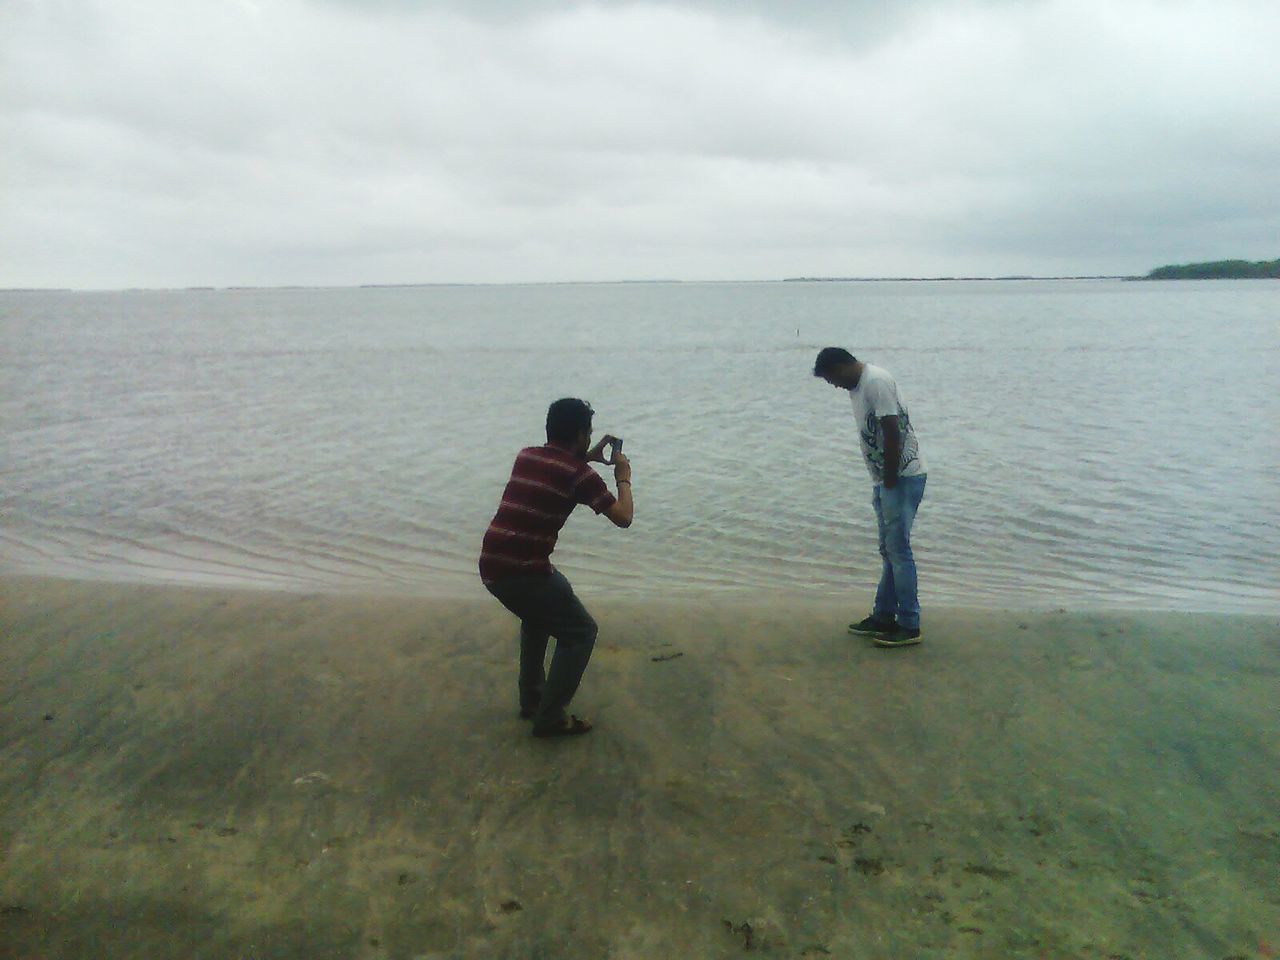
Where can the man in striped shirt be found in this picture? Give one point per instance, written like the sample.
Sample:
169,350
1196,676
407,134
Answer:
515,559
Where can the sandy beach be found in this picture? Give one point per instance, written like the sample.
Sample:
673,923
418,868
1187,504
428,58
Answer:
196,773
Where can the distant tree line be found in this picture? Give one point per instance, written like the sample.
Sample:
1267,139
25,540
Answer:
1217,270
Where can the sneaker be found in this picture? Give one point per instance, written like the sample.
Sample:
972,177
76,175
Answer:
871,625
897,636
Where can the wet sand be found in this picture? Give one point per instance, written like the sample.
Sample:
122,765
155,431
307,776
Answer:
196,773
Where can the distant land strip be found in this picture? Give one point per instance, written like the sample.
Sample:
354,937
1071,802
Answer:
1210,270
1218,270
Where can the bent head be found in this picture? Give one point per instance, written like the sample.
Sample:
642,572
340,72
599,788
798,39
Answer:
838,367
569,425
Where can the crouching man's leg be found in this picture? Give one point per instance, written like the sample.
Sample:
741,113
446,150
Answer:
533,660
575,632
548,607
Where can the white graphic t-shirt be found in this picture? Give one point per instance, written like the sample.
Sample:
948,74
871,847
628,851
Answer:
876,396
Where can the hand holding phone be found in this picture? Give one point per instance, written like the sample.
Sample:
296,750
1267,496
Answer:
606,450
614,448
621,467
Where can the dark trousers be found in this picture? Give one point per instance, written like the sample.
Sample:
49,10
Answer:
547,607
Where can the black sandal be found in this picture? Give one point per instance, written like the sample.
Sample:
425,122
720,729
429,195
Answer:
569,727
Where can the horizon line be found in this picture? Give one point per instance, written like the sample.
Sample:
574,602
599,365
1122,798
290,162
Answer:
222,288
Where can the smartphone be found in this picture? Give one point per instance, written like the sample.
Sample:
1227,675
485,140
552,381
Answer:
614,448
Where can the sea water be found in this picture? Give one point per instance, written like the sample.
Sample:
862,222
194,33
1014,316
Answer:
1090,443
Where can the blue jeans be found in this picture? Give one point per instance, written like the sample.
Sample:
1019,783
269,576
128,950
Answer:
896,596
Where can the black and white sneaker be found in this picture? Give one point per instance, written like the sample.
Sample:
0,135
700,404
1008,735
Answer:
897,636
871,626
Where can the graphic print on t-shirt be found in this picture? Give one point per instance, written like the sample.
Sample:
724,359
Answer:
873,443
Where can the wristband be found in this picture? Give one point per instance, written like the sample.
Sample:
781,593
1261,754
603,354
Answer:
620,482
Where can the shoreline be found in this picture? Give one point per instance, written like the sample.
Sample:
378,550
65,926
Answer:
205,772
467,588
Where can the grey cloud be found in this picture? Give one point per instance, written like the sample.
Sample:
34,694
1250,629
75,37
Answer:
302,142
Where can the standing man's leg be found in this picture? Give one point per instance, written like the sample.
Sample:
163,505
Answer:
886,606
898,509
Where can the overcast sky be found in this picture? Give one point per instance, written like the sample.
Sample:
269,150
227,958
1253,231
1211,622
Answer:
170,143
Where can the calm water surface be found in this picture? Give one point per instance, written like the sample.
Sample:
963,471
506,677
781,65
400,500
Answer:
1090,444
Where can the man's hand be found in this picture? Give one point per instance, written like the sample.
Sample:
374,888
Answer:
596,453
623,508
892,451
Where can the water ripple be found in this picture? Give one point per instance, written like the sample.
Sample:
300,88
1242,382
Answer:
266,437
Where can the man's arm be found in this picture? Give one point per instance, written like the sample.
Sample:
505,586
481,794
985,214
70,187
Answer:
623,509
892,450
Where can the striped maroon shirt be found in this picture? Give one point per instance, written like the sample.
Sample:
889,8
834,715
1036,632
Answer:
546,484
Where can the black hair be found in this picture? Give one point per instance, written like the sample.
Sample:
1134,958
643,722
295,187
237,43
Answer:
829,358
567,418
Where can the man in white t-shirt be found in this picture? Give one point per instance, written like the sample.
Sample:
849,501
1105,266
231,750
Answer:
892,454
